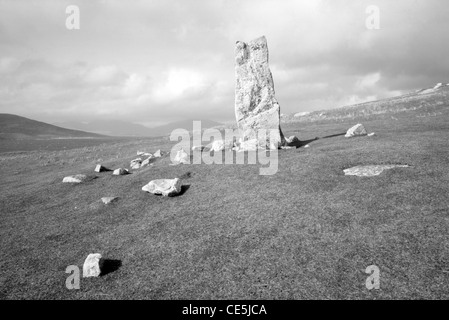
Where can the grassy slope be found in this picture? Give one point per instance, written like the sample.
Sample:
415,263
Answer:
17,127
307,232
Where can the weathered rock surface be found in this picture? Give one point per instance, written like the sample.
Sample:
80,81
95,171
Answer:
120,172
100,168
371,170
77,178
108,200
182,157
255,104
91,266
355,131
165,187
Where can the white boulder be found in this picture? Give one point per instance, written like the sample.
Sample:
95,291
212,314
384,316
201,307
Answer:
165,187
91,266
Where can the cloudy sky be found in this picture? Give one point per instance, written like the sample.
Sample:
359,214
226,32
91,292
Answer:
153,62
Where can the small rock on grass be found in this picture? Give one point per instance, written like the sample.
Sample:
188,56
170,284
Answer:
182,157
120,172
108,200
77,178
91,266
100,168
165,187
199,148
356,131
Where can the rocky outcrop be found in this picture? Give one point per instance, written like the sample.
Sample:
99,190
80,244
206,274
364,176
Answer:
256,107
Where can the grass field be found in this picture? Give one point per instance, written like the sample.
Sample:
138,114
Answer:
307,232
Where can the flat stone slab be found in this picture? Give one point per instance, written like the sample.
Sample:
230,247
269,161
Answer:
165,187
77,178
371,171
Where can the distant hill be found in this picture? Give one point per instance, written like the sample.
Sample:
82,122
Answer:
123,128
424,100
17,127
108,127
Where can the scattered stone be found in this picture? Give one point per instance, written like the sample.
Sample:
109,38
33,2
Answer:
78,178
182,157
370,171
91,266
165,187
356,131
306,146
120,172
371,134
158,154
100,168
220,145
286,148
256,107
136,163
107,200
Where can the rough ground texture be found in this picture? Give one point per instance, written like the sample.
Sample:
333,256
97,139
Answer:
310,235
255,104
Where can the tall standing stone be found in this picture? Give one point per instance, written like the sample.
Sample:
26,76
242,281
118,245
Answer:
255,104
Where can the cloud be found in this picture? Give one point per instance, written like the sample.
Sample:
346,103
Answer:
158,61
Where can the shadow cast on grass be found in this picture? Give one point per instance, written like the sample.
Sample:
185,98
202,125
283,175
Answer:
109,266
334,135
184,189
